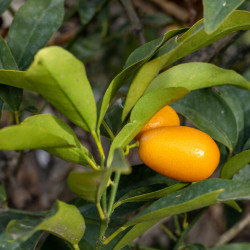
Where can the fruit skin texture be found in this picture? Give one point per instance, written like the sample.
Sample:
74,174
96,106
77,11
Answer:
181,153
163,118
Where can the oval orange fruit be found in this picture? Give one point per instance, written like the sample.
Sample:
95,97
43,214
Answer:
163,118
181,153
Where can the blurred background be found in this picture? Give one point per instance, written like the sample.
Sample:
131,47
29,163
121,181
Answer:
102,37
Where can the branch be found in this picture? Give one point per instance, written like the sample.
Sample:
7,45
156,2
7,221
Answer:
233,231
137,26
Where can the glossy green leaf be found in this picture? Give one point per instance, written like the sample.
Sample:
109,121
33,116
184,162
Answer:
211,114
89,185
233,246
243,174
145,108
64,221
197,75
11,95
61,79
15,78
133,233
4,5
215,12
34,24
195,38
137,58
247,145
7,242
225,189
244,98
46,132
195,246
198,195
231,98
236,163
139,194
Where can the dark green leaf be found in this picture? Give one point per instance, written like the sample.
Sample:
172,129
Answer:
198,195
197,75
211,114
145,108
87,9
139,194
215,12
247,145
87,47
144,54
234,103
4,5
233,246
8,243
236,163
33,25
195,38
61,79
65,221
195,246
11,95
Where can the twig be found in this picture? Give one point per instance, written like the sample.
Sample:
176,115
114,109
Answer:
233,231
173,9
135,21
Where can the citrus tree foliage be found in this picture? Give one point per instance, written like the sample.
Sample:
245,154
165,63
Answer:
97,218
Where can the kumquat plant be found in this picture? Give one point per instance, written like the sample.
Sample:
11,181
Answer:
103,152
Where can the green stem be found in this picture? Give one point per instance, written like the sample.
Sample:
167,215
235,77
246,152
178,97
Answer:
100,211
177,225
105,125
113,193
183,236
102,231
168,232
17,117
112,236
12,11
230,153
100,149
76,247
128,147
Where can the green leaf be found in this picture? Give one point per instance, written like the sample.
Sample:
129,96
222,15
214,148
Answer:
89,185
145,108
215,12
197,75
198,195
139,194
211,114
137,58
57,138
34,24
88,9
64,221
231,98
11,95
15,78
133,233
247,145
4,5
236,163
233,246
7,242
61,79
195,38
